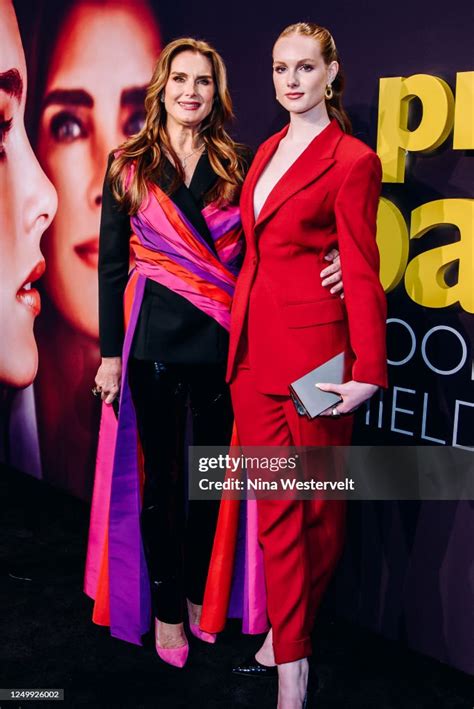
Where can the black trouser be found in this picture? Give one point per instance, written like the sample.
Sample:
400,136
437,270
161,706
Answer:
177,546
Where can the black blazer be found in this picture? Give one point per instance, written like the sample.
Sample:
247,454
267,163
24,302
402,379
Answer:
169,328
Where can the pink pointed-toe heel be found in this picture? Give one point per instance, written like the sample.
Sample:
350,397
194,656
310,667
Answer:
201,634
175,656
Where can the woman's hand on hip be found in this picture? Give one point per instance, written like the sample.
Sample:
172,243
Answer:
352,393
108,378
332,275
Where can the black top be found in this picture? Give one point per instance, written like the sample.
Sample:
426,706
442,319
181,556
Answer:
169,328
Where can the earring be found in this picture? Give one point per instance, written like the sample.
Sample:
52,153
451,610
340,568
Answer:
162,98
329,93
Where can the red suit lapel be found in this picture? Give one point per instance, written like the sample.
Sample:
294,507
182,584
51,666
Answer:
313,162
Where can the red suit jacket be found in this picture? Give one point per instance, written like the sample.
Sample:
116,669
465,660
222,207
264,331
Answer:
327,198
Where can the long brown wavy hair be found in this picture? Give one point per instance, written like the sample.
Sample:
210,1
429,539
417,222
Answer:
146,148
330,54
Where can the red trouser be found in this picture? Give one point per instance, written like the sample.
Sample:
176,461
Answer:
301,539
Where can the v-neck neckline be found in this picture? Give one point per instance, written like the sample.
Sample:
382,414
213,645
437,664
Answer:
195,171
193,176
190,199
284,175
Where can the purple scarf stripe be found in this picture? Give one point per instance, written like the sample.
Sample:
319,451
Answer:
128,580
219,225
161,245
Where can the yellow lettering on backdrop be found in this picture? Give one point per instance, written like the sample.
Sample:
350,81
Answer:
393,136
393,243
425,274
463,137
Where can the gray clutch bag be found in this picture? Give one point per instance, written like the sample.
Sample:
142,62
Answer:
308,399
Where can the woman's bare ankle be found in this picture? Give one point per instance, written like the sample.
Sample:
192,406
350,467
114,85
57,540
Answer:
194,612
265,654
169,635
292,684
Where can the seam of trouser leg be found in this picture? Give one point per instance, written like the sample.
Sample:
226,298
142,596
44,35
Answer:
301,610
304,608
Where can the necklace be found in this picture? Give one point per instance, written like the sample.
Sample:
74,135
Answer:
183,160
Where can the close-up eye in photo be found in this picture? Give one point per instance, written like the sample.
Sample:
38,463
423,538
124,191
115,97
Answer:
236,317
66,127
5,126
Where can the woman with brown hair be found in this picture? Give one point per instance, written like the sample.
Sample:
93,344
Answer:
170,198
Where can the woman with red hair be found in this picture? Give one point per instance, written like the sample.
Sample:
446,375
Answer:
311,187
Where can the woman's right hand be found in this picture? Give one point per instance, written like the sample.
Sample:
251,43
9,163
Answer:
108,378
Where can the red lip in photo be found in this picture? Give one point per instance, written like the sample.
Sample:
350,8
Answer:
88,251
28,296
294,95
